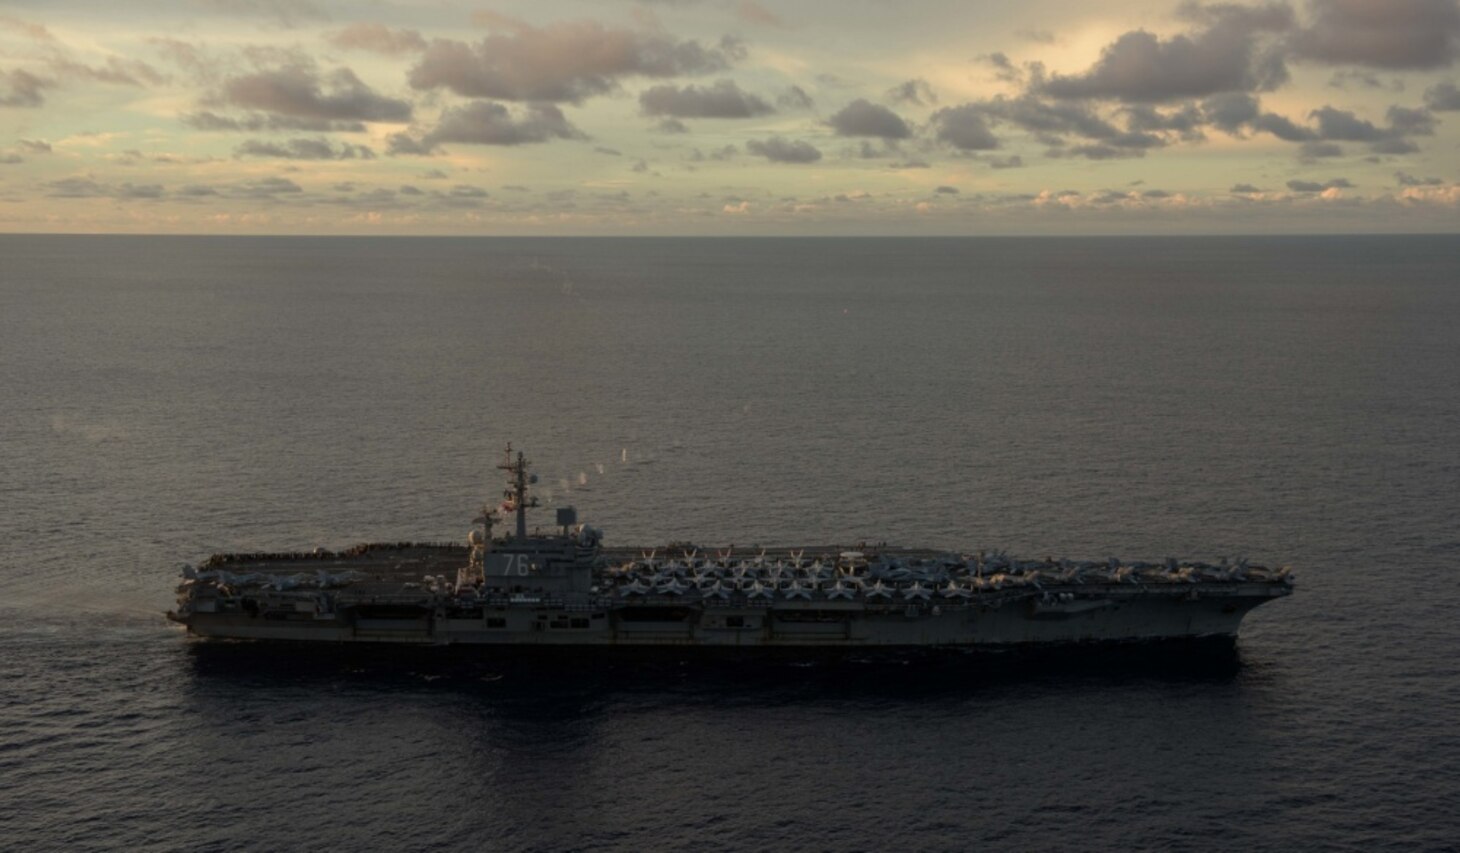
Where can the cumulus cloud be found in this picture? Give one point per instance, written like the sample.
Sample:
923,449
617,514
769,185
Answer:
722,99
864,118
490,123
1400,34
1231,111
304,149
378,38
964,127
1245,188
566,61
302,92
1230,52
780,150
20,88
1443,97
1237,113
969,127
1185,122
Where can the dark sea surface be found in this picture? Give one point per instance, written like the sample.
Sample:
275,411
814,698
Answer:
1293,399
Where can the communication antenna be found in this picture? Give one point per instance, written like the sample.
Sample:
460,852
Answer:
517,482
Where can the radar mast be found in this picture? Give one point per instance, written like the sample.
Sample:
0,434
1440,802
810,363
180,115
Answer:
517,482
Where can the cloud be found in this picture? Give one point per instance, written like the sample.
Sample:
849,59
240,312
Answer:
36,146
265,188
1186,122
726,153
190,57
1443,97
915,91
1014,161
723,99
302,92
490,123
1035,36
1235,113
1316,187
1283,128
1231,111
29,29
1343,126
1099,151
864,118
1228,54
304,149
945,189
1404,179
1004,69
781,150
1244,188
671,125
1400,34
566,61
91,188
969,127
10,159
255,122
964,127
75,188
378,38
794,98
117,71
20,88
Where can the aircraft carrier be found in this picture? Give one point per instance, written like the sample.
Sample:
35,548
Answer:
567,588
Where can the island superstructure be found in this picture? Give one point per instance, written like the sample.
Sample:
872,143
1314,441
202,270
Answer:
568,588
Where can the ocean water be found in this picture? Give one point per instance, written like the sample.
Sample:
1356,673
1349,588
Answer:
1292,399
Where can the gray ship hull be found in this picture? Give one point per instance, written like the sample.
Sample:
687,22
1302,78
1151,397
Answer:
1110,615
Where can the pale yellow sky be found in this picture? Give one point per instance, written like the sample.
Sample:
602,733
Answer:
728,117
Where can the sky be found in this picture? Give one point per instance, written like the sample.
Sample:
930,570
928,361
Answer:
729,117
